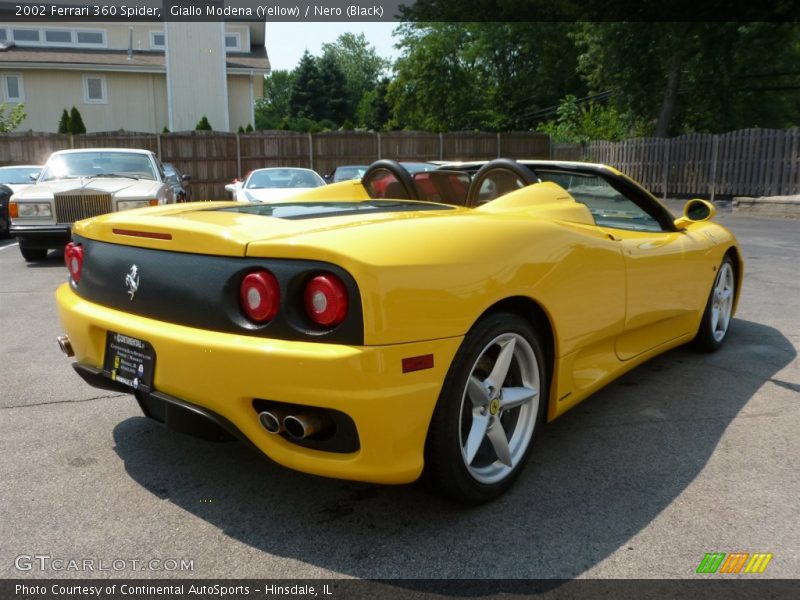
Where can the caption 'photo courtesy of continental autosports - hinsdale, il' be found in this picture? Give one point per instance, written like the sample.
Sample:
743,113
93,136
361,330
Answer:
398,326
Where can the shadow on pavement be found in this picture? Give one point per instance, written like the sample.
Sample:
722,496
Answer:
598,475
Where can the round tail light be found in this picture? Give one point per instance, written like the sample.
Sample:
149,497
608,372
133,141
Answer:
326,300
260,296
73,258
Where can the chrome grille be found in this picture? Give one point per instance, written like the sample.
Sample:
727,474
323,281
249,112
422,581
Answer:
71,207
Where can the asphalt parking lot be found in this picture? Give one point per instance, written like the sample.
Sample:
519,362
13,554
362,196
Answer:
685,455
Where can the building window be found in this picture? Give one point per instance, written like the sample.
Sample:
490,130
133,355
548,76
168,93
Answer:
158,40
58,36
233,41
94,89
13,88
91,38
26,35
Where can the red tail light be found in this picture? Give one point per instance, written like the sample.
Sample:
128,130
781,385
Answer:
260,296
73,258
326,300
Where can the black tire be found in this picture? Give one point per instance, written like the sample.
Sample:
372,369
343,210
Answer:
32,254
711,336
485,476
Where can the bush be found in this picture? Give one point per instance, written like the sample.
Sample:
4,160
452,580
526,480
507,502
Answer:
203,125
76,122
64,124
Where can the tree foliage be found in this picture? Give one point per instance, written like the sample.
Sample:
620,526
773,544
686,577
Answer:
305,99
580,123
579,81
492,76
359,63
63,123
76,124
681,77
203,125
274,107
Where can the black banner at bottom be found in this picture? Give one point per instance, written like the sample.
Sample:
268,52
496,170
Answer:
390,589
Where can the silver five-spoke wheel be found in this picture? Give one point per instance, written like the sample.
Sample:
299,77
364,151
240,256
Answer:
722,302
492,401
716,321
499,408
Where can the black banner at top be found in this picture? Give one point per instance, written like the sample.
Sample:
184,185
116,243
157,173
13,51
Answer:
399,10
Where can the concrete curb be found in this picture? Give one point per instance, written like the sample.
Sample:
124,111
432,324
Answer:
778,207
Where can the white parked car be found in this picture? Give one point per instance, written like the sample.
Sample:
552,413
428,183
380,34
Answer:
275,183
78,184
19,177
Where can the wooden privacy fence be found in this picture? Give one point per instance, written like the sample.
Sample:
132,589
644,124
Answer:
215,158
749,162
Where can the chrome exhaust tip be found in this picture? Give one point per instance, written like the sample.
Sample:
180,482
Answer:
65,345
306,424
271,421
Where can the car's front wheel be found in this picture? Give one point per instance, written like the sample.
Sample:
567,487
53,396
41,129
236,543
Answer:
490,406
719,309
32,254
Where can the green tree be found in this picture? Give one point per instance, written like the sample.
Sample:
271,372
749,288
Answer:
435,86
275,106
579,123
76,122
481,75
12,120
374,111
203,125
680,77
64,125
360,64
334,103
305,98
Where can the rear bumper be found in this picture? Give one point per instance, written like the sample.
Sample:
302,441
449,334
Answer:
42,236
222,373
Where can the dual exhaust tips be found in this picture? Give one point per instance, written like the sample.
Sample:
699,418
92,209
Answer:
299,426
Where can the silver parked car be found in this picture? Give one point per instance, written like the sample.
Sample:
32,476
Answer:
78,184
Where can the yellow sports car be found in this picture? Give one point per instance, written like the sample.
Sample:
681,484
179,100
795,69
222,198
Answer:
382,328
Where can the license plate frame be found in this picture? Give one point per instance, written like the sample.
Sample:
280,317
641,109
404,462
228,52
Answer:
129,361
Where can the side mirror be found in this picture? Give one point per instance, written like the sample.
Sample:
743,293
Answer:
34,176
231,187
695,211
186,178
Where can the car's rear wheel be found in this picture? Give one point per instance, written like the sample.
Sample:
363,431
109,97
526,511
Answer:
719,309
32,254
490,406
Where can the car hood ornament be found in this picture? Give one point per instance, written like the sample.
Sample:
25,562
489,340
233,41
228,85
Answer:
132,280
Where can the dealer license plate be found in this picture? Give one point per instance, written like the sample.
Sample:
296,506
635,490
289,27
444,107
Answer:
130,361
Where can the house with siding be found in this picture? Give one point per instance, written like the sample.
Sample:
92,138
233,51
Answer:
134,76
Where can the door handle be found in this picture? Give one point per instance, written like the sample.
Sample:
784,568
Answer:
613,237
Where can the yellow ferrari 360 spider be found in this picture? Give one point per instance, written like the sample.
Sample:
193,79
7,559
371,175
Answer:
382,328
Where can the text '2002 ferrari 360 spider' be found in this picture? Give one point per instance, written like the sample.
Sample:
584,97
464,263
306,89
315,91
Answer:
398,325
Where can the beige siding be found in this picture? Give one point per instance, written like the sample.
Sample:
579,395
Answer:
239,103
195,48
136,101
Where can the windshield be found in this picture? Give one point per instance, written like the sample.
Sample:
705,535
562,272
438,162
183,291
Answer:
18,174
99,164
345,173
283,178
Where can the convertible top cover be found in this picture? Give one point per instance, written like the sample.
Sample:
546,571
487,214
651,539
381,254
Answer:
311,210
